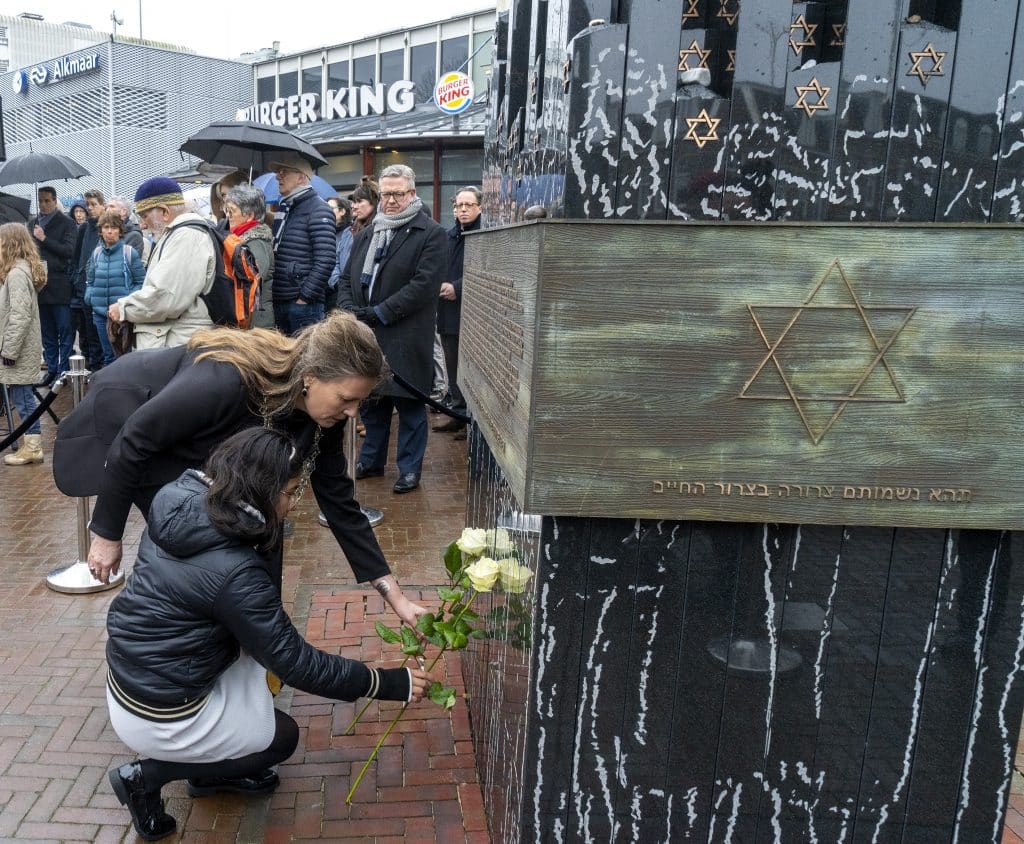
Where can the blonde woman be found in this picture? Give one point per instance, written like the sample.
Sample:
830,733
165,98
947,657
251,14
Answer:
165,411
22,276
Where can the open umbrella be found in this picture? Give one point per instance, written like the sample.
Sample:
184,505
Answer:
13,209
272,193
247,145
35,167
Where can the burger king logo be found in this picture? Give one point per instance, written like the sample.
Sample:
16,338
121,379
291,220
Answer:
453,93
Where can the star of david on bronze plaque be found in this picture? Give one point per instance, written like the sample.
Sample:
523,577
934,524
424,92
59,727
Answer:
808,34
730,15
697,53
826,353
814,88
702,119
936,58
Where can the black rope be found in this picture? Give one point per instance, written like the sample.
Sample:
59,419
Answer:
438,406
28,422
49,410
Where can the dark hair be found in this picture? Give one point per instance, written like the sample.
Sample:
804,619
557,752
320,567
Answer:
111,218
95,193
51,192
250,468
367,190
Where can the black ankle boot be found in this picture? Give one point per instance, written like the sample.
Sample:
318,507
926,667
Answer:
147,809
263,782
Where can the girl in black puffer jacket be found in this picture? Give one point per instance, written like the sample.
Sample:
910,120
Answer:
200,623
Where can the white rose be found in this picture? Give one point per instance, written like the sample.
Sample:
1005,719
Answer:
473,542
500,542
514,576
482,574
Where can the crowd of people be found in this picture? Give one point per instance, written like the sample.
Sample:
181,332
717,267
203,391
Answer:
213,433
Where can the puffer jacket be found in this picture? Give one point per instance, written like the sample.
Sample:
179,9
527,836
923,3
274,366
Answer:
305,253
195,596
20,338
261,243
112,273
85,244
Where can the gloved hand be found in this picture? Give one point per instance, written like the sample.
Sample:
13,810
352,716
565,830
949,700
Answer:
9,361
367,315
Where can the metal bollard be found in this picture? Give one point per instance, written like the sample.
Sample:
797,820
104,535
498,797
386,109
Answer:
76,579
373,515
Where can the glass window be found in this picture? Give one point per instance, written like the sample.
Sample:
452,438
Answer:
337,75
265,89
364,70
424,61
454,52
343,171
480,67
311,78
392,66
461,167
288,84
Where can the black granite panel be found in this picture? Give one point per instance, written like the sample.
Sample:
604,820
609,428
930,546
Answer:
806,34
863,110
900,676
803,165
999,693
648,108
1008,204
833,32
920,107
698,174
554,707
759,101
595,114
983,47
519,58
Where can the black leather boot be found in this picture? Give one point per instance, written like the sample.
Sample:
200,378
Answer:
261,783
147,809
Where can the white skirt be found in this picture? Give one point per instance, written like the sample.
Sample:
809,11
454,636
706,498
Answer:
238,719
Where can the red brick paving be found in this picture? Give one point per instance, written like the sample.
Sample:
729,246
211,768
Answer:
56,744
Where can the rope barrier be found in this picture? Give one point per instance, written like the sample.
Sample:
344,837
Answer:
30,420
438,406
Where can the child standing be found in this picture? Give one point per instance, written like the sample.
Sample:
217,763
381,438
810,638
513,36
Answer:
22,275
114,270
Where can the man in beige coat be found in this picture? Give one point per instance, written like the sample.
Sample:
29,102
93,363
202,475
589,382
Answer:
168,310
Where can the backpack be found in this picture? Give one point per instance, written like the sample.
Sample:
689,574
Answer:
235,293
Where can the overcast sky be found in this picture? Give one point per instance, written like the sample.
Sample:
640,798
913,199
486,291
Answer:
227,28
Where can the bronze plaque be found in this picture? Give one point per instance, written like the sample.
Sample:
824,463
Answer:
806,373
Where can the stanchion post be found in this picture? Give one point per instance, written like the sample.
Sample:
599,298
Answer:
374,515
76,578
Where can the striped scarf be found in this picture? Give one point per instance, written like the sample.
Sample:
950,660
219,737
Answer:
384,228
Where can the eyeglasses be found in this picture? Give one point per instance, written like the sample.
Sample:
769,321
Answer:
396,195
465,206
282,171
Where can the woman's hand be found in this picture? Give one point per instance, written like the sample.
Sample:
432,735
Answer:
114,312
421,681
408,611
104,558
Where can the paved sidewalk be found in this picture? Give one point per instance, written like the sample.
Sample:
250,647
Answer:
56,744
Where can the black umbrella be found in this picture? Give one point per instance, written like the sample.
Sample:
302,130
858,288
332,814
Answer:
35,167
14,209
247,145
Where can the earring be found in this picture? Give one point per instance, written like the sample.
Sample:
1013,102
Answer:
305,390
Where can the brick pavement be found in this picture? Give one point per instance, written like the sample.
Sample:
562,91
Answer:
56,744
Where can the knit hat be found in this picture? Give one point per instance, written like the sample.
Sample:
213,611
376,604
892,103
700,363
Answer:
293,161
157,191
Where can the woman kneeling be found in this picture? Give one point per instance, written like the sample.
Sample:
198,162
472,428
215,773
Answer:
200,623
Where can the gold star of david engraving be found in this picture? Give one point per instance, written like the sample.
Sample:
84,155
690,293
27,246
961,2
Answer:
696,52
702,119
936,58
731,67
838,35
730,15
692,12
808,34
814,88
871,324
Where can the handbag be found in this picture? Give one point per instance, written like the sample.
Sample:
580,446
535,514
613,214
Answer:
121,336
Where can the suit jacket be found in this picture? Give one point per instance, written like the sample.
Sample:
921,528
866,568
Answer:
56,251
405,294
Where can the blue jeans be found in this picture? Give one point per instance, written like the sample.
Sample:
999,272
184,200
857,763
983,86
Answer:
101,328
412,433
58,338
24,401
290,318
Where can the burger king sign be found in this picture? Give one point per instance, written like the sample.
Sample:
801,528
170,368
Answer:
453,93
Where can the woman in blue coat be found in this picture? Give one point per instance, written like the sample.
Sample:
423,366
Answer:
113,271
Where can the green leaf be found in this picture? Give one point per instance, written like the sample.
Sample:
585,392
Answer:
516,603
443,696
449,636
459,641
452,559
498,615
470,614
455,609
446,594
425,624
387,634
462,626
477,634
409,639
413,650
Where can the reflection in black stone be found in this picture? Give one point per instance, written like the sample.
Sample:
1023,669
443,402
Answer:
1008,204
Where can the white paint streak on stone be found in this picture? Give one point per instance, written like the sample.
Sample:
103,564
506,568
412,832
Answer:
1004,730
826,631
955,199
773,639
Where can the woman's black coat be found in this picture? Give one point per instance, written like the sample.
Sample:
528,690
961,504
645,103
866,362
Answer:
406,292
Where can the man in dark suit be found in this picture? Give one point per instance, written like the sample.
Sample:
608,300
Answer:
54,233
392,282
